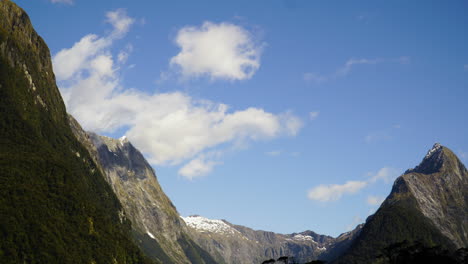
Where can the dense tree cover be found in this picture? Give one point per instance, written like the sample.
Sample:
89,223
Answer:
55,206
415,253
392,223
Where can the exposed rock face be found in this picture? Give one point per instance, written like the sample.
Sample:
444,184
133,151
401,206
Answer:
134,182
440,186
341,244
155,221
428,204
230,243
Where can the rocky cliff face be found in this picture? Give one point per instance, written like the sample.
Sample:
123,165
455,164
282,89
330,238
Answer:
428,204
156,222
55,206
440,186
230,243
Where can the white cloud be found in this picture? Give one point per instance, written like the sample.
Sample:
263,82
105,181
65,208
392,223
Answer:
70,64
386,174
333,192
120,21
465,67
375,200
348,66
219,51
124,54
62,1
314,115
200,166
356,221
170,128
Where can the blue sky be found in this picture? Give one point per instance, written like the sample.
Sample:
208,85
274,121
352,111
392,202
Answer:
278,115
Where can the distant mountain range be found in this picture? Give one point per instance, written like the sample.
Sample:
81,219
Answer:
71,196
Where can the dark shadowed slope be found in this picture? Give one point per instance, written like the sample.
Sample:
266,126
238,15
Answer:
55,206
427,204
157,226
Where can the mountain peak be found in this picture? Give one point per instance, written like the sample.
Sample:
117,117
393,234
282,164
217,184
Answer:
434,150
438,158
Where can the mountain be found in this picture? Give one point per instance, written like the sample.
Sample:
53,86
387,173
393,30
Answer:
156,223
428,205
55,205
229,243
165,236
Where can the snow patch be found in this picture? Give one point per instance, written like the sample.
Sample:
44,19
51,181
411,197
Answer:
209,225
123,140
300,237
435,148
151,235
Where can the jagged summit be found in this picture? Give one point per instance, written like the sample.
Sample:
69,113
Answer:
428,204
438,158
437,147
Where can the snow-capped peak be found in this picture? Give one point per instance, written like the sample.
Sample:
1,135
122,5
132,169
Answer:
203,224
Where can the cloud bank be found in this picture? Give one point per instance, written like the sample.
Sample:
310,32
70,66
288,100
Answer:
169,128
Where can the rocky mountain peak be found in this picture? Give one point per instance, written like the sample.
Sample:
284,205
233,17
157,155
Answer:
437,159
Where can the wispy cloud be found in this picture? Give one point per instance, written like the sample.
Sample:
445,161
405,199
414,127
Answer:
381,135
314,115
465,67
170,128
348,67
200,166
273,153
218,51
333,192
375,200
62,1
356,221
386,174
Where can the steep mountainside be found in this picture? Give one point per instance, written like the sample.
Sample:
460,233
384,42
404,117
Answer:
427,204
156,223
238,244
55,205
341,244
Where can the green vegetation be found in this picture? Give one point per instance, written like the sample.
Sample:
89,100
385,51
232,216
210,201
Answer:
414,253
393,223
55,206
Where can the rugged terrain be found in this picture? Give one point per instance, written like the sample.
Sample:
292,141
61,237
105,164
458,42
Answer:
165,236
156,223
55,205
427,204
238,244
